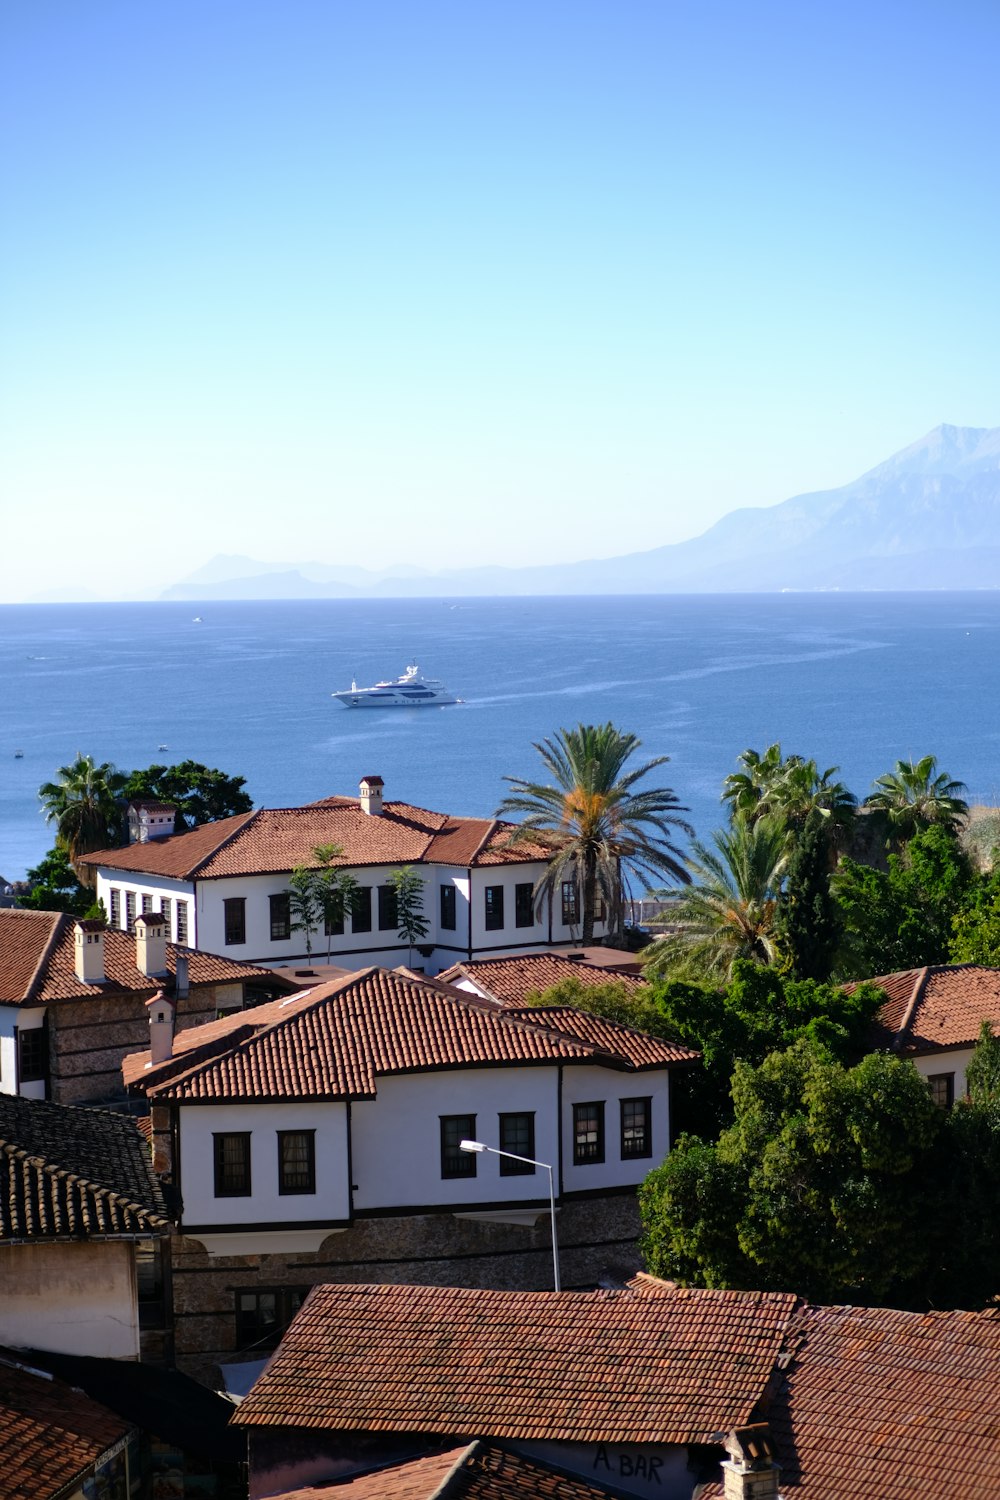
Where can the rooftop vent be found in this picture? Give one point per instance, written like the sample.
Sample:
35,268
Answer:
88,951
371,795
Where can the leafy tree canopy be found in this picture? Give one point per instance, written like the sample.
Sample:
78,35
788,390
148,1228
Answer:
975,935
915,795
200,793
55,887
808,919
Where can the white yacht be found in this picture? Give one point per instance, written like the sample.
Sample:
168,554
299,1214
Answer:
412,690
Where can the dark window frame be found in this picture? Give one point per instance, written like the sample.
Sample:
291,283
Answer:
234,921
585,1153
287,1185
636,1146
935,1082
253,1331
449,908
493,908
361,909
33,1054
508,1133
388,908
570,897
524,904
280,916
455,1163
243,1186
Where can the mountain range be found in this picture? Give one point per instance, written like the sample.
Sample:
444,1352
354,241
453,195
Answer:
926,518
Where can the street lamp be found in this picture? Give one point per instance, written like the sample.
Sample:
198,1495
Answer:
480,1146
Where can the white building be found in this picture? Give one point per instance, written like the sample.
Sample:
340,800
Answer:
933,1017
224,887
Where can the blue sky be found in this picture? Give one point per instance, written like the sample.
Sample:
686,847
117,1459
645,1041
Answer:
451,283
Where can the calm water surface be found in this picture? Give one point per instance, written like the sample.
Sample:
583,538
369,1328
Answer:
854,680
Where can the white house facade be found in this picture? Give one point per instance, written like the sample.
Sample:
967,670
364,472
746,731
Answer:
224,887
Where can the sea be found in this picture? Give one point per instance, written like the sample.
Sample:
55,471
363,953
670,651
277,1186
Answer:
855,680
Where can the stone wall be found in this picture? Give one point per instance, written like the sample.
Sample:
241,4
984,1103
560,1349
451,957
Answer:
597,1241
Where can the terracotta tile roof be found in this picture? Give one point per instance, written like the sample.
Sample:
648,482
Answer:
512,980
618,1366
890,1404
37,961
933,1008
481,1471
67,1173
336,1040
275,840
49,1433
641,1050
419,1479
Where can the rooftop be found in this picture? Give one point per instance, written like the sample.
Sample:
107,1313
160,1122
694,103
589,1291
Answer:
512,980
479,1471
49,1433
938,1007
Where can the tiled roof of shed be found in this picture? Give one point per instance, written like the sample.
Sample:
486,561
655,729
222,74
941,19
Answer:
334,1041
641,1050
937,1007
49,1433
276,840
480,1471
616,1366
70,1173
37,956
512,980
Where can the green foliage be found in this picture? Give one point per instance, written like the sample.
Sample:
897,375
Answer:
976,927
629,1005
303,903
808,918
915,796
55,887
787,790
83,802
901,918
321,895
200,793
409,889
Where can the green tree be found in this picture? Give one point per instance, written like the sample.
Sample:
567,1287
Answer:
593,822
304,903
787,790
55,887
976,926
409,891
808,920
201,794
730,909
914,795
83,803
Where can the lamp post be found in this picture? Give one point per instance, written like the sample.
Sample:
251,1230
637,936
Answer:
480,1146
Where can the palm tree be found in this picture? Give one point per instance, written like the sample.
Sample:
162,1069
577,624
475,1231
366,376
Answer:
788,788
83,804
750,792
912,797
730,910
592,822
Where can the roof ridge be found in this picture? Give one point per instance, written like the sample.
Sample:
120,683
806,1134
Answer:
447,1487
247,819
911,1007
70,1175
48,949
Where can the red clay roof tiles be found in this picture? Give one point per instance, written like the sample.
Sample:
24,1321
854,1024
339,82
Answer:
50,1434
933,1008
512,980
481,1471
641,1050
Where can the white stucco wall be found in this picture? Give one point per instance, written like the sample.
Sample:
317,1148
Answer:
584,1085
265,1205
396,1138
8,1049
74,1298
947,1062
510,935
148,885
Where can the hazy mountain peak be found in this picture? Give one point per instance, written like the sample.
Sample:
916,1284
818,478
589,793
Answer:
946,449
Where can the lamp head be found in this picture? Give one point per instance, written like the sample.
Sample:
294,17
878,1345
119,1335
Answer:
471,1146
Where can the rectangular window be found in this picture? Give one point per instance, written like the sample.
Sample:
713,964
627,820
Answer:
129,910
388,909
235,913
448,908
333,925
114,907
637,1134
361,909
32,1055
296,1161
494,908
182,923
524,904
232,1164
147,905
517,1134
588,1133
263,1316
454,1161
570,904
281,917
942,1087
166,910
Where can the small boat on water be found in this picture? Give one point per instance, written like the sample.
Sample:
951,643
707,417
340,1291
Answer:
18,754
411,690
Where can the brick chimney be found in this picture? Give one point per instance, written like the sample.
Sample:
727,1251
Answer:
371,795
750,1472
151,943
88,951
161,1027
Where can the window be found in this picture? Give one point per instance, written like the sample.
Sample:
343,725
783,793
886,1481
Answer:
263,1316
182,923
147,905
235,912
454,1161
524,904
448,908
942,1087
517,1134
281,917
32,1055
296,1161
388,909
588,1133
637,1136
115,907
232,1165
361,909
166,909
494,908
129,910
570,904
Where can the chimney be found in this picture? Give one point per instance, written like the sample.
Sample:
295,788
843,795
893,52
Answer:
371,795
182,985
150,820
151,943
88,951
750,1472
161,1028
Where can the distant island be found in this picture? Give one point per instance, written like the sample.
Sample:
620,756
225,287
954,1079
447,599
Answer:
926,518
